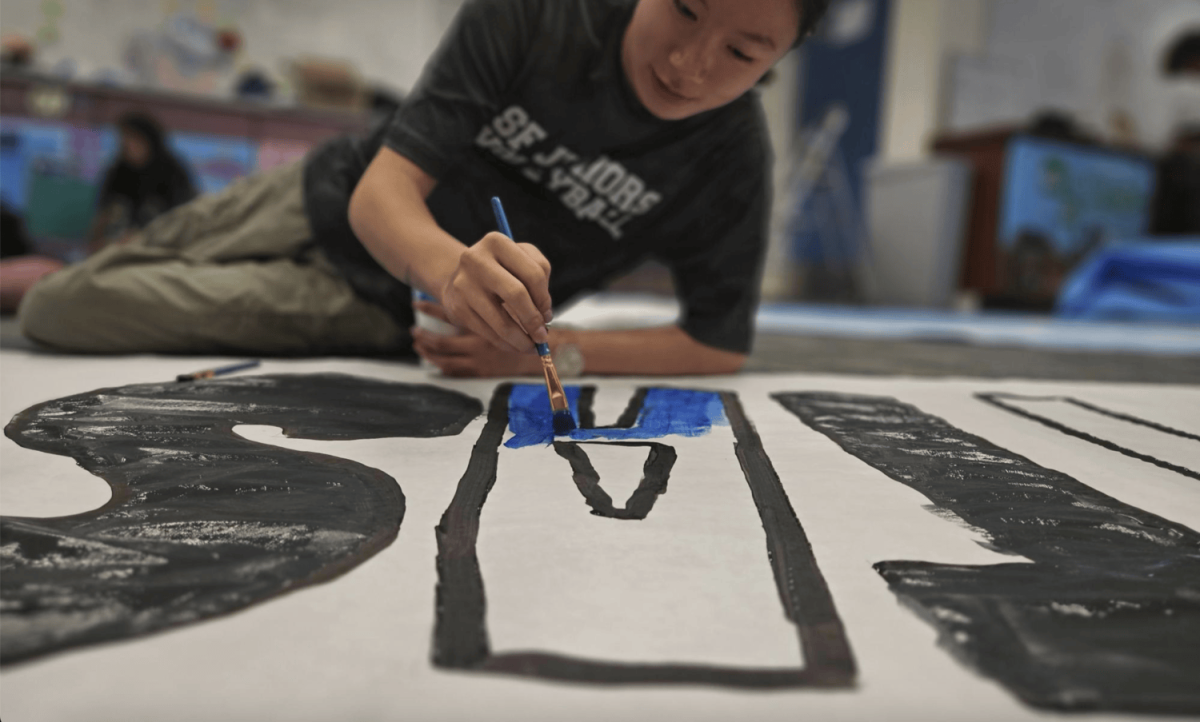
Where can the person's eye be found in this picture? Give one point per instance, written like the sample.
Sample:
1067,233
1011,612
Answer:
740,55
684,10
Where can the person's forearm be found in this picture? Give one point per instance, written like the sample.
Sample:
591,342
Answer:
388,214
666,350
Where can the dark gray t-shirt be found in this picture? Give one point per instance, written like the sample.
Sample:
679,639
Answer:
527,100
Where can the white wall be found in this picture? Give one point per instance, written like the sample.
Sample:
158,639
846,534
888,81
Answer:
780,101
921,35
966,64
1092,57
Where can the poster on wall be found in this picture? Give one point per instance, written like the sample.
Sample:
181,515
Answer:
1060,202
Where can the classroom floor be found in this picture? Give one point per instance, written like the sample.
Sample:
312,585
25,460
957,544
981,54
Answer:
778,352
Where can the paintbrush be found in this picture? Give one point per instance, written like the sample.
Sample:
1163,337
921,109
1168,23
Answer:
564,423
219,371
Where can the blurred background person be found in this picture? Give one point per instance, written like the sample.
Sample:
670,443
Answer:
19,267
1177,203
146,180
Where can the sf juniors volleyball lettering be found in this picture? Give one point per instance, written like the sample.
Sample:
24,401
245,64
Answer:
599,189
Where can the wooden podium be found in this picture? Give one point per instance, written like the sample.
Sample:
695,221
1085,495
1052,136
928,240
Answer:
985,151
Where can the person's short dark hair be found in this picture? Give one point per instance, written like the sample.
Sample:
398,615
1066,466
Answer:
1188,134
145,125
1183,55
811,12
1057,125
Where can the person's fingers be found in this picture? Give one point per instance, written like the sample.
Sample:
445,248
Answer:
531,299
458,301
541,300
447,364
517,305
457,366
432,309
506,325
495,326
482,284
424,342
519,281
461,345
513,315
498,281
487,302
536,254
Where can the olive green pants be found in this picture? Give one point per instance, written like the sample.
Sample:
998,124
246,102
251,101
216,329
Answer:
232,272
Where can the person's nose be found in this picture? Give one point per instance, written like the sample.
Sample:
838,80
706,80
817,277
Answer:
693,60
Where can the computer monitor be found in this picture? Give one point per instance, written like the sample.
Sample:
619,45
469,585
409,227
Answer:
1062,200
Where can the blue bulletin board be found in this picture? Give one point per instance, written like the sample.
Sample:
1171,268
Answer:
50,172
1060,203
1073,194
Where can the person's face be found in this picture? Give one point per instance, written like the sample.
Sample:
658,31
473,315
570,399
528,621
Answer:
683,57
135,150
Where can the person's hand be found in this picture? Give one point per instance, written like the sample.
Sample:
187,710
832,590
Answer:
500,291
468,354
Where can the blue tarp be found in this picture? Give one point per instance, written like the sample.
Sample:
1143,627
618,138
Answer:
1148,281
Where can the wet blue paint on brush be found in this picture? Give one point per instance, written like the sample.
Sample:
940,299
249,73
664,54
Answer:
530,417
563,422
666,411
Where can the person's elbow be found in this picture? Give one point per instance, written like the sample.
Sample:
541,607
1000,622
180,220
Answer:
724,362
359,211
715,361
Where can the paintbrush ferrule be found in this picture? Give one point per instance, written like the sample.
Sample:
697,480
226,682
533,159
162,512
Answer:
558,397
564,422
220,371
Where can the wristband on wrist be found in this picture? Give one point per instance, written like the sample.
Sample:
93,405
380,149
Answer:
567,356
568,360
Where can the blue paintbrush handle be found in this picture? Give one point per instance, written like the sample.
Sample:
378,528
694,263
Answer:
235,367
501,220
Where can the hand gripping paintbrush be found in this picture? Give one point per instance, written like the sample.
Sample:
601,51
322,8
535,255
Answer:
564,423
